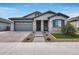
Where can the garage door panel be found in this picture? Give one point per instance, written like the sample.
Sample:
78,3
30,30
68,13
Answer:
23,26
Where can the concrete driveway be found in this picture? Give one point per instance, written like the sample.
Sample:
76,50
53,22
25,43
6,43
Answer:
13,36
33,48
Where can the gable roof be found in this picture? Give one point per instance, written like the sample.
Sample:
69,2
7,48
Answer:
20,18
74,18
5,20
59,14
45,13
24,17
36,12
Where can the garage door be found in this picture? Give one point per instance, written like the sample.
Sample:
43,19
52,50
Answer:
24,26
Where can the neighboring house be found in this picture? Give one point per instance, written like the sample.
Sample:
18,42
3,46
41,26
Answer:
4,24
75,21
37,21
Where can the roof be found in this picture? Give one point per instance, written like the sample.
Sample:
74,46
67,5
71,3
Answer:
74,18
5,20
45,13
24,17
20,18
36,12
59,14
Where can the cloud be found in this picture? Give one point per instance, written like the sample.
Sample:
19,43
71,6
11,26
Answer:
71,8
7,9
71,11
74,14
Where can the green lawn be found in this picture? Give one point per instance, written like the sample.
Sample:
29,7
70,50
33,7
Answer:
62,36
77,30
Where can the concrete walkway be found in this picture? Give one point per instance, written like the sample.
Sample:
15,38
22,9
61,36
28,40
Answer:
39,37
42,48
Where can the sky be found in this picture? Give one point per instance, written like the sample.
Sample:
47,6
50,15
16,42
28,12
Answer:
8,10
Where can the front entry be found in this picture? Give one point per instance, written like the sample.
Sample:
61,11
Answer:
45,25
38,25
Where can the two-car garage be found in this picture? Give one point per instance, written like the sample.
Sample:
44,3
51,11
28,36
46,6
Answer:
23,25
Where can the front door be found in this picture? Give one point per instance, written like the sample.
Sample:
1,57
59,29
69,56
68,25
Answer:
45,25
38,25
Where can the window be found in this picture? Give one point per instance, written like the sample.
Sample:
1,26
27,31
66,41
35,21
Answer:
58,23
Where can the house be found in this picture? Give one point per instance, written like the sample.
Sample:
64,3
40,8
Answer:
4,24
37,21
75,21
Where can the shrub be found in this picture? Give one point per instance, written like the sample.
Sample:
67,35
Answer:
28,38
48,39
68,29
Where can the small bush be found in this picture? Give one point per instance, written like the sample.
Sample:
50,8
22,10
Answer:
48,39
28,38
68,29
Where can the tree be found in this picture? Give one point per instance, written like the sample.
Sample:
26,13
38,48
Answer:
68,29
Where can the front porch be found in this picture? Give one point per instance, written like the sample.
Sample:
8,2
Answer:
41,25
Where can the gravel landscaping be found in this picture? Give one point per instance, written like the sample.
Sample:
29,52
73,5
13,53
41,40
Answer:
29,38
48,37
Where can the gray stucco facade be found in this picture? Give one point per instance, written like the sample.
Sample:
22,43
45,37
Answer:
4,24
38,21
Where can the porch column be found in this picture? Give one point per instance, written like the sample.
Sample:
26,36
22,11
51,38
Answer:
34,25
12,26
42,25
50,25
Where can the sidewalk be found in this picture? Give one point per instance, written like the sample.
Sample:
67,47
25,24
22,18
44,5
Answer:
41,48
